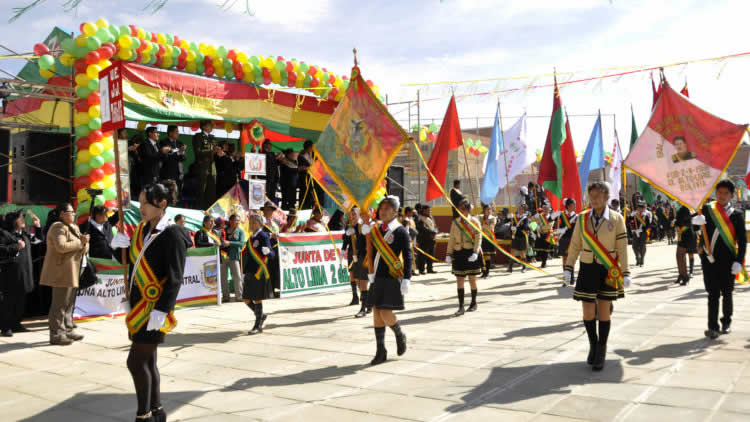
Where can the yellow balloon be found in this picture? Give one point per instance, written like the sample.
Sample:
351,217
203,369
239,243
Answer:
125,53
82,195
184,44
93,70
229,127
125,41
98,185
108,181
190,56
275,76
141,33
96,148
81,118
145,58
46,74
218,62
82,79
241,57
247,77
202,48
160,38
102,23
220,72
81,40
339,96
83,156
94,111
300,80
191,67
104,63
422,134
107,143
268,63
89,29
67,59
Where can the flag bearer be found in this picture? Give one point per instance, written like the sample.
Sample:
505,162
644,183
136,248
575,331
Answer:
640,223
519,228
489,222
565,225
258,273
464,247
545,241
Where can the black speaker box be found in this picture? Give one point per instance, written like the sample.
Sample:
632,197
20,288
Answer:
41,168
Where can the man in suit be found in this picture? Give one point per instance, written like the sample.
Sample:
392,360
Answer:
640,221
203,148
456,196
99,227
172,154
722,252
225,176
150,161
272,171
426,232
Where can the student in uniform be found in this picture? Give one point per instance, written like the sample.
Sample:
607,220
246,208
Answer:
600,238
464,247
519,228
273,230
426,232
545,240
565,225
389,279
489,222
640,223
315,223
722,252
157,254
686,244
255,288
358,254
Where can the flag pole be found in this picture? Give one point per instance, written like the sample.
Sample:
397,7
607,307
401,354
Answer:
468,174
505,157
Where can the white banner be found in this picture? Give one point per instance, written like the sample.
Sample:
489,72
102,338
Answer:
255,164
312,263
106,298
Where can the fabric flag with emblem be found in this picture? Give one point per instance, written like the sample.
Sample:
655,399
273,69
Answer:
491,181
643,187
615,171
360,142
551,167
318,172
684,149
448,139
232,202
516,154
593,158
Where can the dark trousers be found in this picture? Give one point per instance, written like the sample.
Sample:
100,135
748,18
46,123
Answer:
719,282
206,192
11,309
422,261
639,247
271,189
288,193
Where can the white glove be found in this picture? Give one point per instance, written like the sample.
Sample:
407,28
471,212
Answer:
349,231
405,286
266,250
567,276
155,320
513,229
555,214
699,220
121,240
370,280
626,281
354,258
365,229
448,259
473,257
736,268
560,232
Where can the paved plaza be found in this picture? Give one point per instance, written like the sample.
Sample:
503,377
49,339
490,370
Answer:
520,357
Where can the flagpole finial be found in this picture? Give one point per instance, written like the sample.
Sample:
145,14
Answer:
354,50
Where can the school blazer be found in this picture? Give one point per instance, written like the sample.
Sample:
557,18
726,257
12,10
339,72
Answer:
458,241
613,236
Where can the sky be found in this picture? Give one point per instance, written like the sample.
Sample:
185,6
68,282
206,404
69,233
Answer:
421,42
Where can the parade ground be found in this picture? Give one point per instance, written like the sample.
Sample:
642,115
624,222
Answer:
520,357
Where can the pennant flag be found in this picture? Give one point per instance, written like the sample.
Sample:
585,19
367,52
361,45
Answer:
655,92
360,142
593,158
571,185
491,181
550,168
232,202
685,90
515,155
449,138
643,187
615,171
684,150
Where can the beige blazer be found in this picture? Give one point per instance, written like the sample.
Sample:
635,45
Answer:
62,263
458,241
611,233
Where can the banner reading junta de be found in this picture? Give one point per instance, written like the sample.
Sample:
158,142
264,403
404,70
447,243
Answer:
106,298
312,263
684,150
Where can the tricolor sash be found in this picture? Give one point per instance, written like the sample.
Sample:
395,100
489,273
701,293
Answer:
150,288
723,225
566,221
490,234
262,270
681,230
395,267
550,237
641,220
216,240
614,273
465,229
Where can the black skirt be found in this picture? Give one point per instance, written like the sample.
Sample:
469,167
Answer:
359,271
254,289
460,265
689,241
488,248
143,336
541,244
385,293
591,284
520,242
562,245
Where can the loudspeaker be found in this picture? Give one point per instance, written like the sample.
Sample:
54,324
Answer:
4,152
395,182
41,168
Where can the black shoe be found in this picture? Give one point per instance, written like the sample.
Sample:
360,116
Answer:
472,307
712,334
459,312
401,344
355,301
159,415
380,357
7,333
431,272
726,329
20,329
523,269
601,353
414,274
685,280
369,309
421,273
362,313
592,353
679,280
148,417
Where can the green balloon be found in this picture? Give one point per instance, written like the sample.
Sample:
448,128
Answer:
82,131
108,155
199,57
93,43
94,85
254,60
96,162
46,61
194,47
280,65
176,52
136,43
169,39
124,30
99,200
110,194
103,34
95,123
227,65
229,74
257,71
200,69
83,92
433,127
80,52
114,32
82,169
153,60
304,67
308,79
258,80
222,51
83,208
67,45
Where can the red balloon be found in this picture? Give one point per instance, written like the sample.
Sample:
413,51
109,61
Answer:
93,98
289,67
110,46
82,105
196,126
209,71
82,143
232,54
161,50
111,203
183,54
266,73
80,65
176,40
207,61
81,27
312,71
292,77
141,47
237,67
138,57
105,52
40,49
96,175
181,64
159,61
314,83
109,168
92,57
279,58
95,135
153,37
334,92
133,30
267,80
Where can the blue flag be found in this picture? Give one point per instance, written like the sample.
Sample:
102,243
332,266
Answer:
593,158
491,181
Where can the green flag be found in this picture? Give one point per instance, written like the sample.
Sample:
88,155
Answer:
643,187
550,167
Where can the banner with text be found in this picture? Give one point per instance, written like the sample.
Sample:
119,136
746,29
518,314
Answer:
312,263
106,298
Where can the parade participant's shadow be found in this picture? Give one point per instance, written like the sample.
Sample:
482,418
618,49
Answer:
115,406
695,294
433,281
507,385
677,350
426,319
305,323
310,376
308,310
193,338
515,292
655,289
429,308
540,331
562,293
505,286
9,347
